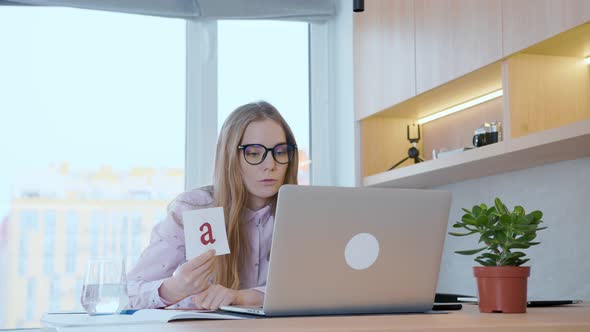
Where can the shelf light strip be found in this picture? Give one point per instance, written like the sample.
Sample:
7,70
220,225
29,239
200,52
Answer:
461,107
587,60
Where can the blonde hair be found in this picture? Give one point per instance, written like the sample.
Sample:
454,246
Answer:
229,188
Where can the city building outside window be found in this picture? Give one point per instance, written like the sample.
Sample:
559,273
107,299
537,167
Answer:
95,103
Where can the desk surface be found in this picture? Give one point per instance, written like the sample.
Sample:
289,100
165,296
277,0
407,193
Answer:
567,318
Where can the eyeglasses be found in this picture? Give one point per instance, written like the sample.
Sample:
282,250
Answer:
255,154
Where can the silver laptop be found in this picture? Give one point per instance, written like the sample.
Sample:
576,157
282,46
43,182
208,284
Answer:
339,250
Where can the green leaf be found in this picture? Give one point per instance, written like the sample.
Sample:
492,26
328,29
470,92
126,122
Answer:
470,252
488,233
525,228
523,220
488,239
468,219
461,234
483,207
527,237
485,262
466,211
536,215
482,220
516,254
505,220
476,211
520,262
500,207
491,256
519,246
500,236
519,210
541,228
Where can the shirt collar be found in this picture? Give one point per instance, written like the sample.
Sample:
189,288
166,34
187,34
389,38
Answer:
261,215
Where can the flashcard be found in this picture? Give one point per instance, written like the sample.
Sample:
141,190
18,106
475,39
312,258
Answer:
204,229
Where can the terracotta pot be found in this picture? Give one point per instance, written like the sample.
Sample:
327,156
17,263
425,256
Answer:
502,288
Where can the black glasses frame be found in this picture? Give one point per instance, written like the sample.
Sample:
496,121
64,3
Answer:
293,148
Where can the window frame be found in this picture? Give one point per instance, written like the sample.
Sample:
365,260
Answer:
334,143
201,99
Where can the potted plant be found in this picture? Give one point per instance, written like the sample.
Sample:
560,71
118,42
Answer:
501,281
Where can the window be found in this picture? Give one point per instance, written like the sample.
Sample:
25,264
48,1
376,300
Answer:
123,234
267,60
71,238
54,294
29,224
31,298
49,241
95,107
93,112
96,219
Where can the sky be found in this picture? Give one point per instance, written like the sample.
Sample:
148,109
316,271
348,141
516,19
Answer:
265,61
97,88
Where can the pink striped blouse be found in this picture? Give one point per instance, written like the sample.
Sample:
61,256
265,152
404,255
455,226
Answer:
166,251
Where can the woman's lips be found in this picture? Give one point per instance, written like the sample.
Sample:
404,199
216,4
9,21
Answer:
268,182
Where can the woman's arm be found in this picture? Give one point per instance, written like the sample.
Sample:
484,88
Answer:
156,264
164,255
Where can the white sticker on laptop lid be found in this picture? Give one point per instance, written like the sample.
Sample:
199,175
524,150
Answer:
204,229
361,251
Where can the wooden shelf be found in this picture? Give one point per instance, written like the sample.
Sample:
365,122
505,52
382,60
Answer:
564,143
544,110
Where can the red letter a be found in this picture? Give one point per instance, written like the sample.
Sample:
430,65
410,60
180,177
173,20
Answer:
209,232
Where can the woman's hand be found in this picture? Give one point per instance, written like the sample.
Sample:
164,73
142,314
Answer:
191,278
216,296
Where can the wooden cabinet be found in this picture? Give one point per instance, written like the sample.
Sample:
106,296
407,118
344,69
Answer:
527,22
403,48
384,55
544,110
455,37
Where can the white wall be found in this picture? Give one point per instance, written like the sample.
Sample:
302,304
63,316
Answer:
560,265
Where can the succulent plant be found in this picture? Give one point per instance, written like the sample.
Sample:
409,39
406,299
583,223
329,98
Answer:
501,231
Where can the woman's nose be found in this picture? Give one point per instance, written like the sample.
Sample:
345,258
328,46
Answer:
269,162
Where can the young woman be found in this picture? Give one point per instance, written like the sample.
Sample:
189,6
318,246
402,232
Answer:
256,154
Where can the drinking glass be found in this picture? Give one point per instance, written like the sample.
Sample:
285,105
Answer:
105,287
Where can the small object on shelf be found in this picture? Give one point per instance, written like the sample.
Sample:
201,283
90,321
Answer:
444,153
496,133
488,133
413,152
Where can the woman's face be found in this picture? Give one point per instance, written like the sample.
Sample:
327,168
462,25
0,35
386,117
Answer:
263,180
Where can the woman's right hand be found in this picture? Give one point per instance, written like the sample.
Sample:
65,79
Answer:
190,279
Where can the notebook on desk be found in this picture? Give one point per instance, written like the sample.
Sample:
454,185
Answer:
342,250
143,316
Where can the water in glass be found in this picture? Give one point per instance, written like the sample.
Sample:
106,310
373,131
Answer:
105,287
